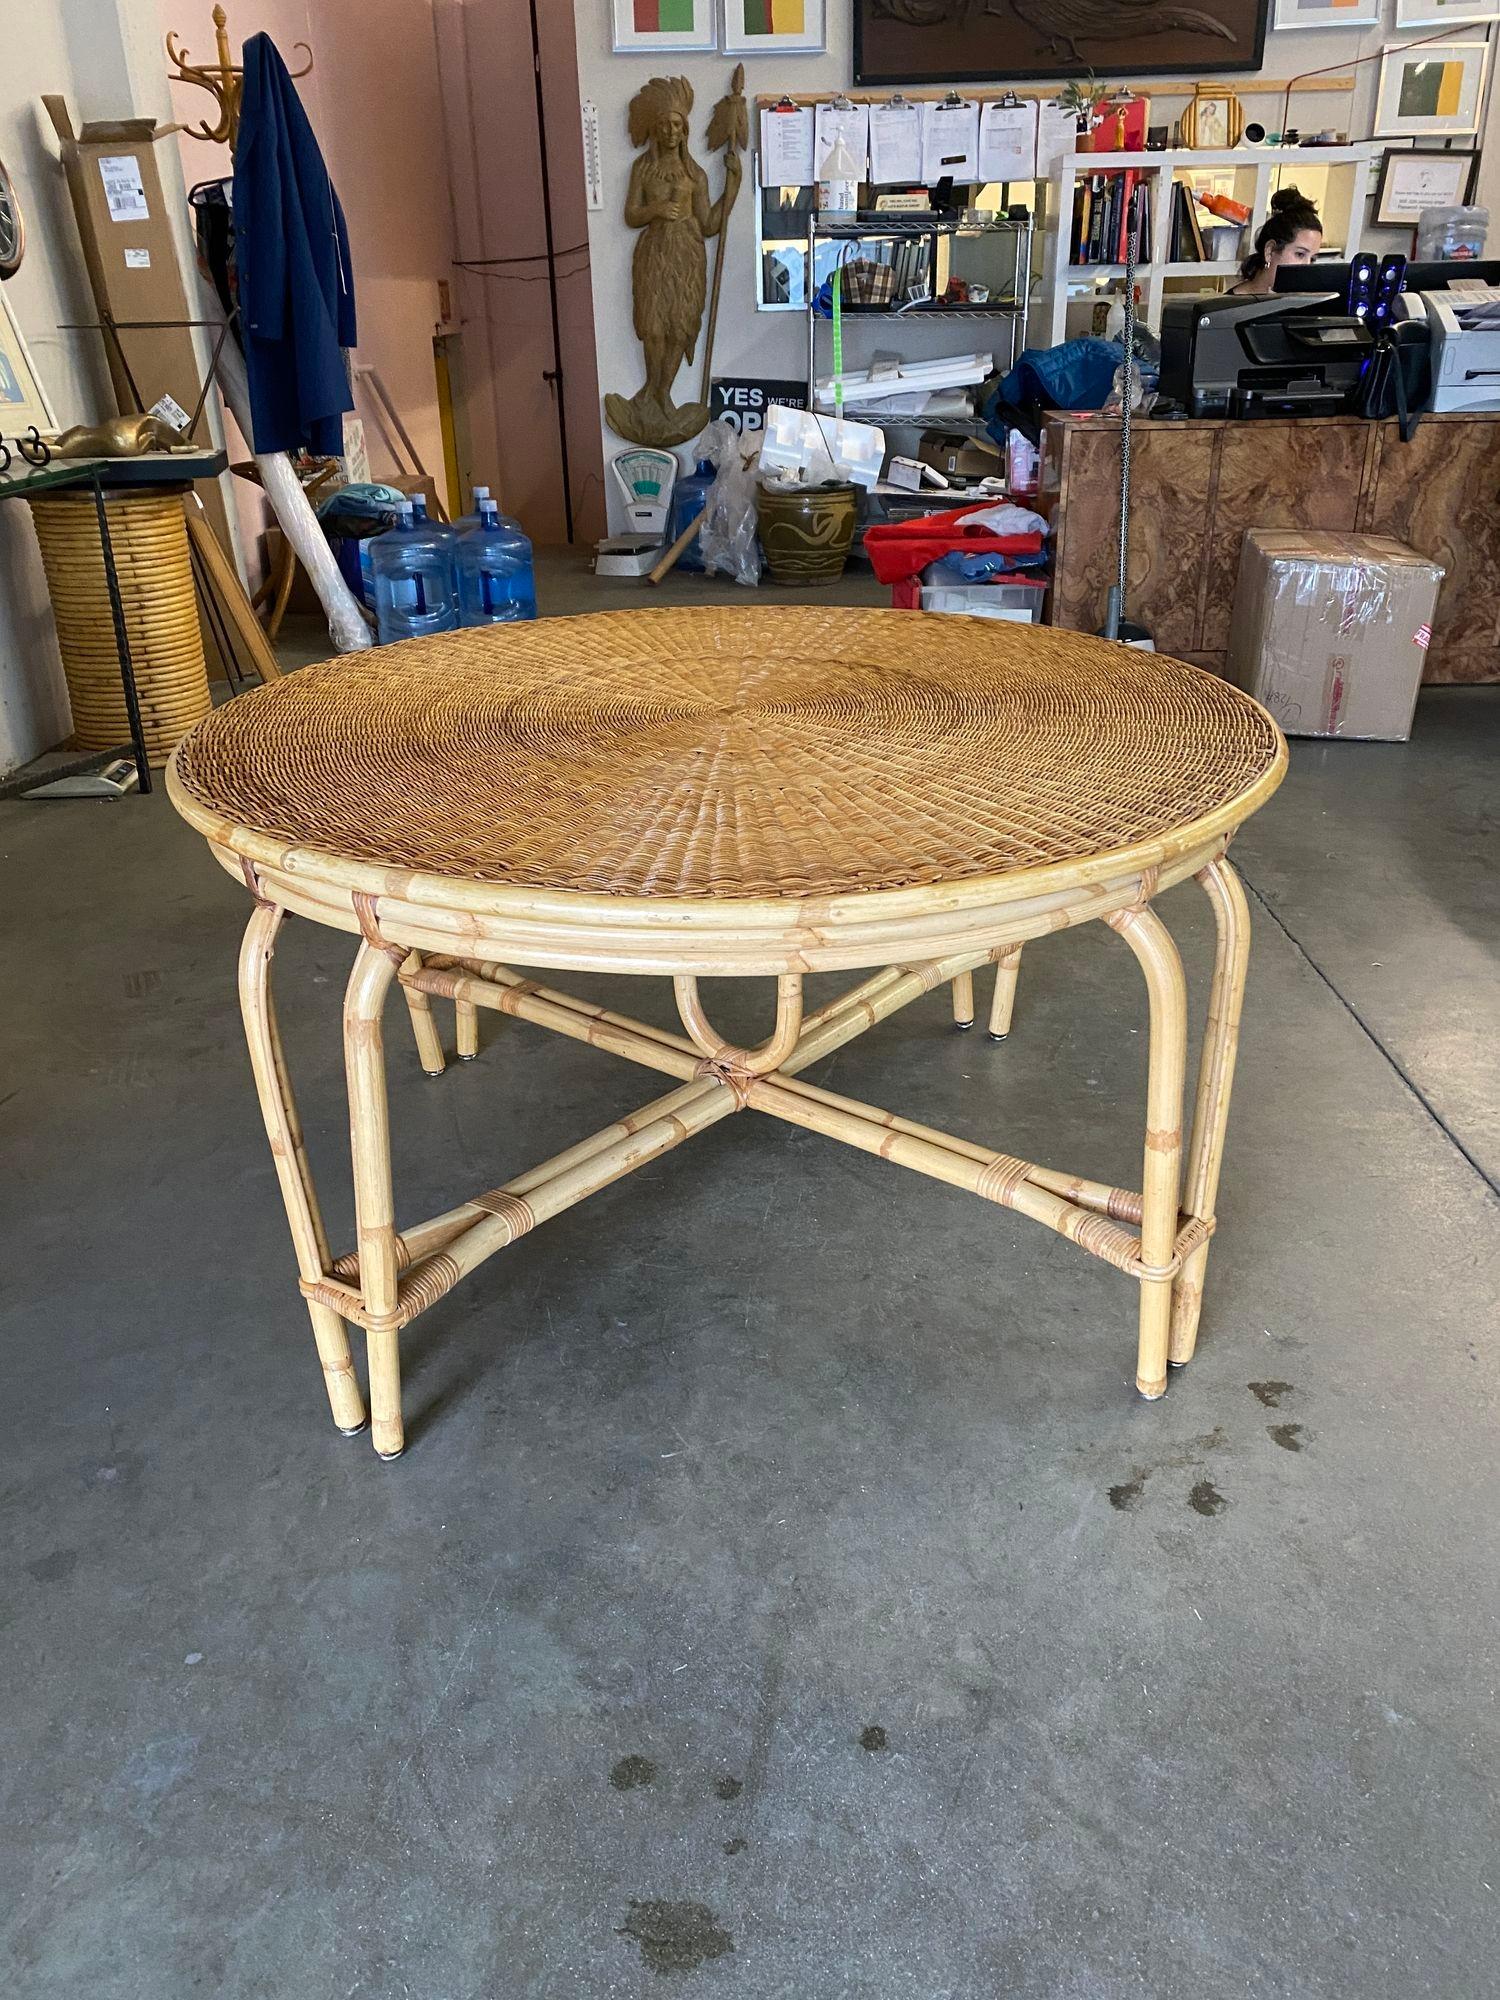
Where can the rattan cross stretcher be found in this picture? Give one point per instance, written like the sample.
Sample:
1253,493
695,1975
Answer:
763,793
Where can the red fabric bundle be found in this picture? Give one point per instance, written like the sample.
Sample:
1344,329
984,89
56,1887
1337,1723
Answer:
902,549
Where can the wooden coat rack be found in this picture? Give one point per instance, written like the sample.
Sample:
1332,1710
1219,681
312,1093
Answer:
224,81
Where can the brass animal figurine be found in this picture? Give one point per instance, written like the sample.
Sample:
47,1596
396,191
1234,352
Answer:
667,201
117,437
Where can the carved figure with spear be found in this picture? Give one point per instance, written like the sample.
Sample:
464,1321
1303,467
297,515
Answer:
667,201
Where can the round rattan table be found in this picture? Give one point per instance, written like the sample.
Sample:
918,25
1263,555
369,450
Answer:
759,792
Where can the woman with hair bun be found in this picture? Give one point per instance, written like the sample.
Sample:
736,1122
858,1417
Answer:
1291,234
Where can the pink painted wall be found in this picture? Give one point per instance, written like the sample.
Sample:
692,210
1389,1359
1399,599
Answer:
374,102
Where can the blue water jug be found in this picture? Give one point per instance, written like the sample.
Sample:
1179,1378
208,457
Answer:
442,535
496,577
689,497
412,566
467,523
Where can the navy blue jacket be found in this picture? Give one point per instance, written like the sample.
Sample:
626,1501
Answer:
296,288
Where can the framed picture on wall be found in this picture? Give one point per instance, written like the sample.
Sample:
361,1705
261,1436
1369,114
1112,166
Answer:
954,41
775,27
1419,177
1431,90
1214,119
23,400
1328,13
1440,13
663,27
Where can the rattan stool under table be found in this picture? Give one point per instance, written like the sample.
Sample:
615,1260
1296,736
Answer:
760,792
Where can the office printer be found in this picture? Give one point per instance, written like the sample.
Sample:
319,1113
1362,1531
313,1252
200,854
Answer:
1298,355
1465,333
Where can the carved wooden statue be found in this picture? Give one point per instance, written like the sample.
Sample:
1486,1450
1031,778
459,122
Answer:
668,203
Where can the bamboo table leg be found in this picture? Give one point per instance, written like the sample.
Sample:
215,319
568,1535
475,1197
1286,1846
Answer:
1221,1041
423,1026
1152,944
374,1206
466,1029
284,1130
389,1279
1007,972
963,1000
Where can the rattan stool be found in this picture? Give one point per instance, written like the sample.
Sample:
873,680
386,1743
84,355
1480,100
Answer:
762,793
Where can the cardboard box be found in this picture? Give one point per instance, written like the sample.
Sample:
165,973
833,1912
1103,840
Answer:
130,254
1330,632
412,483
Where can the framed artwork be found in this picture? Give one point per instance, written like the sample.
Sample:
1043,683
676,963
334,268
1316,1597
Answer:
23,400
1439,13
953,41
1431,90
1419,177
775,27
1331,13
1214,120
661,27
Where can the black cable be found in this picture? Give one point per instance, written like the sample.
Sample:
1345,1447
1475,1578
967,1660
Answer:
536,257
558,383
517,278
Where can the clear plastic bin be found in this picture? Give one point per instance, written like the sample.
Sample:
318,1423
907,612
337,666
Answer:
1016,599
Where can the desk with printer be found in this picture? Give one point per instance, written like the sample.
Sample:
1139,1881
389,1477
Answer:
1273,439
1306,352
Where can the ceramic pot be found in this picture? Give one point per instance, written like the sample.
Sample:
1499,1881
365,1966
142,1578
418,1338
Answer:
806,532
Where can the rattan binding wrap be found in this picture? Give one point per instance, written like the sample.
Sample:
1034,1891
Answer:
748,753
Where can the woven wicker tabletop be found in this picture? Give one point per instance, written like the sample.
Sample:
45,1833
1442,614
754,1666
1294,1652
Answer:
710,753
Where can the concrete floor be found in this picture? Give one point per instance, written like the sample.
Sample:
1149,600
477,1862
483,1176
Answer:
783,1593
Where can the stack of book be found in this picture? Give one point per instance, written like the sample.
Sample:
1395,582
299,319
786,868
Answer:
1101,216
1185,239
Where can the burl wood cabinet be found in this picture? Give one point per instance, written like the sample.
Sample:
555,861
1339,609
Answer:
1197,486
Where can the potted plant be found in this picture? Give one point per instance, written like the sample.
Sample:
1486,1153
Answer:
1087,99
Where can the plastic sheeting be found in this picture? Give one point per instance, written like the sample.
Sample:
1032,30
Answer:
346,622
728,541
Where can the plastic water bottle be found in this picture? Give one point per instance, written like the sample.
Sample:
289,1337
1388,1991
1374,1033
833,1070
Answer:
467,523
496,579
689,497
443,537
414,580
440,532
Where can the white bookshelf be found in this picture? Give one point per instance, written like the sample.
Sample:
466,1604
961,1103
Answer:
1336,178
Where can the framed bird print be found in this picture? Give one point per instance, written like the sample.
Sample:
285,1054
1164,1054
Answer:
663,27
955,41
774,27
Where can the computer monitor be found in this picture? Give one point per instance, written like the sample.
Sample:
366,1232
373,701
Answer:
1332,277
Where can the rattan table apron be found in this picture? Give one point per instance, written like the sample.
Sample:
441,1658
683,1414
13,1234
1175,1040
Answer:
760,792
